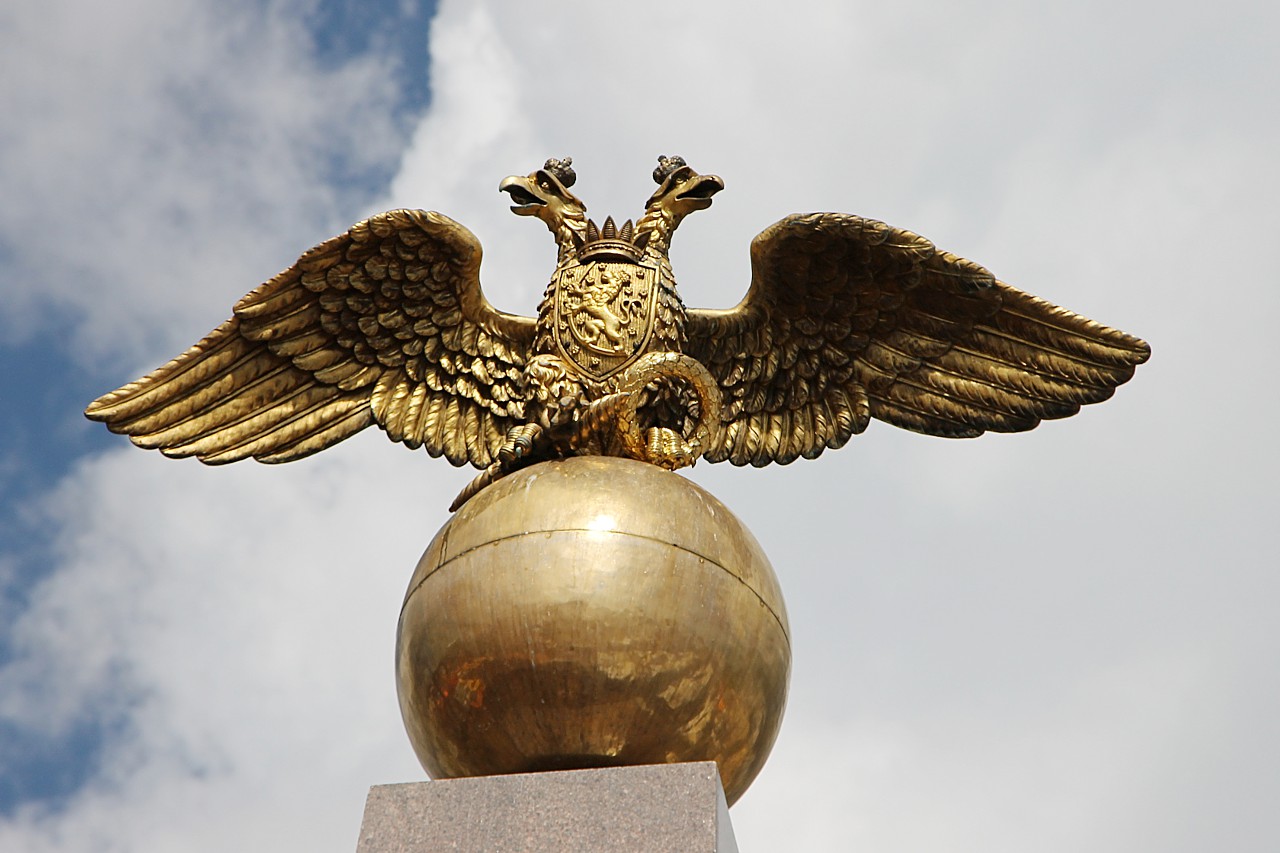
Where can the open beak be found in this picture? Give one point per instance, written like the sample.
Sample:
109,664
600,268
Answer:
700,191
522,192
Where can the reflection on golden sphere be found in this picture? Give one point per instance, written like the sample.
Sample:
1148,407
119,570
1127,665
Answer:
593,612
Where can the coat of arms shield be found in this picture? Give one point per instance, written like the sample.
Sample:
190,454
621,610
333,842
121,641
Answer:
604,313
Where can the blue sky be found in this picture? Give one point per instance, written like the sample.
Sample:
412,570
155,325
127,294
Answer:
1060,640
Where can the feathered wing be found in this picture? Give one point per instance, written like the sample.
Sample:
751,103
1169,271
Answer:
848,319
385,324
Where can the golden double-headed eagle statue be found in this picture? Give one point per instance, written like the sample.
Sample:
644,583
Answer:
846,319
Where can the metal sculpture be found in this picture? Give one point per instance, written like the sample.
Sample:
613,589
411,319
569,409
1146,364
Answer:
595,610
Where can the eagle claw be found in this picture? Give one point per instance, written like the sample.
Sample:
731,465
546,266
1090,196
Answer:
666,448
519,442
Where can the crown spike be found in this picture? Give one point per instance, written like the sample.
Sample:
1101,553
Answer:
607,243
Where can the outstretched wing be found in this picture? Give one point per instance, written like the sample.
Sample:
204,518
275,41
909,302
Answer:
384,324
848,319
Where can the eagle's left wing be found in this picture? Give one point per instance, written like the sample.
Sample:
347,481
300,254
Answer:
384,324
848,319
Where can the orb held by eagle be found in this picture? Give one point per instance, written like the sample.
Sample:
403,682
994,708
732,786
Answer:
593,612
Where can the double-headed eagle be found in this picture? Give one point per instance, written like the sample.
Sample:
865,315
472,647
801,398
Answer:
846,319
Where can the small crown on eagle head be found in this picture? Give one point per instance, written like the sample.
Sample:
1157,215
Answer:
563,170
610,243
666,166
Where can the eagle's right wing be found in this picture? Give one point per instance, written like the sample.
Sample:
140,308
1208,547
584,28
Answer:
385,324
849,319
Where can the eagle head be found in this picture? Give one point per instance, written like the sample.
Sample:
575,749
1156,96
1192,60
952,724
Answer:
681,190
545,194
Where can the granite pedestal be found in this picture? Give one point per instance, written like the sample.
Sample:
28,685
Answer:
667,808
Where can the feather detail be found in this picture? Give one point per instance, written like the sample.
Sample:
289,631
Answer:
455,443
433,424
220,406
270,435
332,431
415,408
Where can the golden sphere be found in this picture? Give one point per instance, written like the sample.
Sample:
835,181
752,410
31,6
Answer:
593,612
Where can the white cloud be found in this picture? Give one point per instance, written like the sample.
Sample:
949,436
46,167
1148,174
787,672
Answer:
1053,641
156,157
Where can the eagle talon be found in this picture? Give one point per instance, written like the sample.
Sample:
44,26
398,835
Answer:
666,448
519,442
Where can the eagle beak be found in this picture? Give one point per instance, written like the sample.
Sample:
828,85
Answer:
700,190
520,188
685,191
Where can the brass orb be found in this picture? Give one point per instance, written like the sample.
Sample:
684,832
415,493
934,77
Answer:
593,612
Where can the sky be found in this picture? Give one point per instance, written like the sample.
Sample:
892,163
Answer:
1051,641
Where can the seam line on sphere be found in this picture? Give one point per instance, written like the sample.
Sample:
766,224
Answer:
714,562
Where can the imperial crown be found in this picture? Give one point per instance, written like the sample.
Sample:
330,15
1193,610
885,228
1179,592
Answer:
610,244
